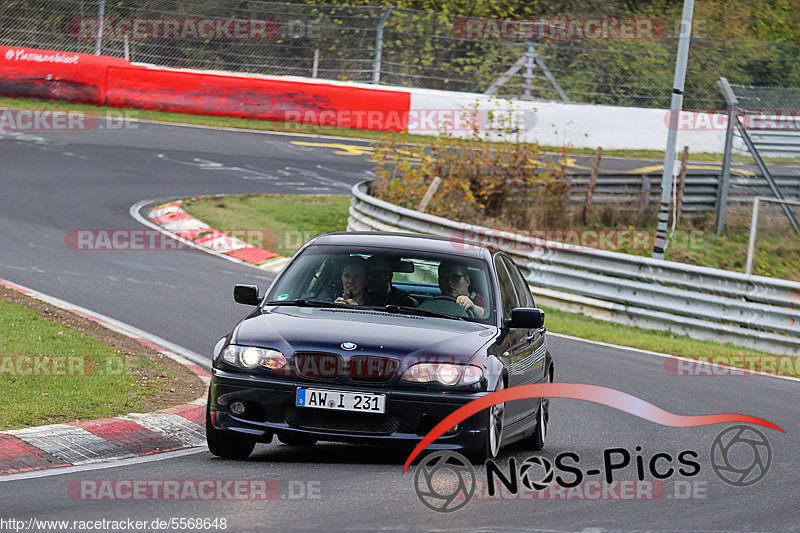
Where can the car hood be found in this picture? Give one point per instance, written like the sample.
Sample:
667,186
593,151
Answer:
301,329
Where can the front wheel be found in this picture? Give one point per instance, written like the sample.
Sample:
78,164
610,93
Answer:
536,441
224,444
494,431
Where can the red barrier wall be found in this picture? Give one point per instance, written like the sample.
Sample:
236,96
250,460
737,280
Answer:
32,73
103,80
250,97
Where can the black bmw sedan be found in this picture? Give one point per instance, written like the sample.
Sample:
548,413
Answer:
374,338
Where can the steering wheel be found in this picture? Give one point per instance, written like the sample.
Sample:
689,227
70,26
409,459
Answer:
449,306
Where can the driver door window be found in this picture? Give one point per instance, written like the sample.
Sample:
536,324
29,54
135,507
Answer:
523,292
507,292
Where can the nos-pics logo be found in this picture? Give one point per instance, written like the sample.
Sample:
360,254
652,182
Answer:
445,481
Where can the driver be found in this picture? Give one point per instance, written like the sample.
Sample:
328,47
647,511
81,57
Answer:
454,282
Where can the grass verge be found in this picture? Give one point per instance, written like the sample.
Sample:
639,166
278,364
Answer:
57,367
290,127
279,223
666,342
316,214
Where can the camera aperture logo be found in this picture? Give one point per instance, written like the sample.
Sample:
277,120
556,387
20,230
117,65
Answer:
445,481
741,456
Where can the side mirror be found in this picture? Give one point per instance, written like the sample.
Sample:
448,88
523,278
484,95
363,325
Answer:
526,317
246,294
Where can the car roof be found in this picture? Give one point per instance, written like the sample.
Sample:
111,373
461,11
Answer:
404,241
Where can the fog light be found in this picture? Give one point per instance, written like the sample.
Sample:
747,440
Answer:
237,408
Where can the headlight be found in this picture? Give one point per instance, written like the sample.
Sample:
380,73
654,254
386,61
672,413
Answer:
252,357
445,373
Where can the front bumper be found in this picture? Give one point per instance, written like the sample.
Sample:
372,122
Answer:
270,409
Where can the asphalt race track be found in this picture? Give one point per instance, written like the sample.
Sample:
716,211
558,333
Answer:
56,182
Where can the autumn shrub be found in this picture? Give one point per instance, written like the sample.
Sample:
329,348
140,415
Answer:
514,184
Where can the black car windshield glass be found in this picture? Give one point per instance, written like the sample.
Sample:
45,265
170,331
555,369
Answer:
437,285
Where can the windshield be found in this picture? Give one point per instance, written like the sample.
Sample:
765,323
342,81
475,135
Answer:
451,286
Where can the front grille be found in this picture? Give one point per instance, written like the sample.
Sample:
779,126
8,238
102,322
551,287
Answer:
326,366
339,421
372,369
369,369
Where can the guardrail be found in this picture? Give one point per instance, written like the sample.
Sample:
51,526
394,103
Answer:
700,193
751,311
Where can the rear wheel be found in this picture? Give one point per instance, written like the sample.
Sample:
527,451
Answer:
292,440
226,445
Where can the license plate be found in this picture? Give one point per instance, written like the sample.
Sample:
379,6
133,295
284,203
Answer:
341,400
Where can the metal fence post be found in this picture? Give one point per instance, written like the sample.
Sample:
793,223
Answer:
748,268
315,66
527,78
587,209
725,177
376,69
101,12
660,240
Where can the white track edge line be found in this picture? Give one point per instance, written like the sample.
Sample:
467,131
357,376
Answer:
102,465
681,358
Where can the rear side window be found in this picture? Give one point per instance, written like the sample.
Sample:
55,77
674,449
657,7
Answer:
523,292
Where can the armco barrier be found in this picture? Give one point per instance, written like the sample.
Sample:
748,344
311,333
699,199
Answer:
112,81
751,311
700,194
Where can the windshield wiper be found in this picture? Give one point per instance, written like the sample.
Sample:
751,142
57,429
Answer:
391,308
313,303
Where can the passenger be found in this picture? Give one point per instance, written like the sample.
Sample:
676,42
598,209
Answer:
380,290
454,282
354,281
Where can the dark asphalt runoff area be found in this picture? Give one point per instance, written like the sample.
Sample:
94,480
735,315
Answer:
52,183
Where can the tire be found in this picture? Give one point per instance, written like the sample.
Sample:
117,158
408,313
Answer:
293,440
226,445
536,441
494,431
